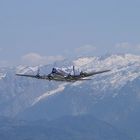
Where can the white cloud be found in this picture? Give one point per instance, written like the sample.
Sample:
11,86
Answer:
126,47
36,59
60,88
86,48
123,45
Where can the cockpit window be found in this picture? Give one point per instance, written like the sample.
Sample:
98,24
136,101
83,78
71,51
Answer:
54,70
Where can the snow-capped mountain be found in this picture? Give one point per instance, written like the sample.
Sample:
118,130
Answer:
113,97
124,69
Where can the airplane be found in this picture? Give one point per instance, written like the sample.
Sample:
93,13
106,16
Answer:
61,75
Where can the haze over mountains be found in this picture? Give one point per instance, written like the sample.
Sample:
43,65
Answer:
110,101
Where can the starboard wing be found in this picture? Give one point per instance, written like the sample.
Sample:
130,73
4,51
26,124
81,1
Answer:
86,74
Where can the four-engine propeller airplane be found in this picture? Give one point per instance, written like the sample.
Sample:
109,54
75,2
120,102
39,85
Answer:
60,75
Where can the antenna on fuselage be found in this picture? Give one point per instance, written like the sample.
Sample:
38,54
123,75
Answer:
74,70
38,71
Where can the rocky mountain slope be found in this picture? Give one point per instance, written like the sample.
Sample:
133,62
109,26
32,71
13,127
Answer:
65,128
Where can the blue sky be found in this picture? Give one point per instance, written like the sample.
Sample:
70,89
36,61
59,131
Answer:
45,30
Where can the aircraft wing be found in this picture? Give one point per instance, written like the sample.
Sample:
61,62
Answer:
86,74
55,78
34,76
69,78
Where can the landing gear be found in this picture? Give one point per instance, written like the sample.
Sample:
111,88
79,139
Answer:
50,77
82,74
69,76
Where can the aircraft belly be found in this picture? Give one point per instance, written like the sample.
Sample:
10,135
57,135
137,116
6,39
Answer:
58,77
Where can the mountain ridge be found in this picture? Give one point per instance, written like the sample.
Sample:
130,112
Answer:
124,69
67,127
112,97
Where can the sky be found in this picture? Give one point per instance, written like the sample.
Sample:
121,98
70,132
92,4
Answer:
43,31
